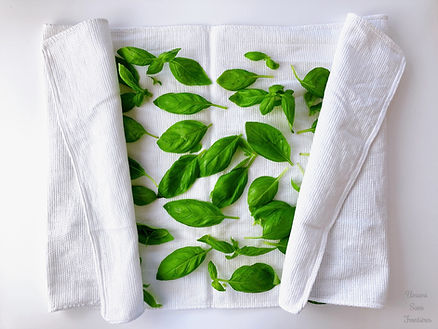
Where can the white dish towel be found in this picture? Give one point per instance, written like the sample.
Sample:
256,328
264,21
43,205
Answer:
337,250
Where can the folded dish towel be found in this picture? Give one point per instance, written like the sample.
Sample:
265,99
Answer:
337,247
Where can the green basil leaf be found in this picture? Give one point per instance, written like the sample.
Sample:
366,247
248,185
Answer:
276,89
136,56
196,148
288,106
169,55
248,97
311,129
212,270
218,156
150,299
188,72
313,103
129,67
156,66
253,279
181,262
271,64
182,137
268,104
143,195
256,55
128,78
133,130
246,148
183,103
180,177
195,213
137,171
268,141
128,101
253,251
217,285
216,244
229,187
138,98
263,190
276,219
237,79
152,236
315,81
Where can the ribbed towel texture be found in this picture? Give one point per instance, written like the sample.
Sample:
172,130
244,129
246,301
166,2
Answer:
337,250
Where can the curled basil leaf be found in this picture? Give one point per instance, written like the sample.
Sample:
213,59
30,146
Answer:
152,236
182,137
195,213
180,177
188,72
276,219
216,244
134,130
315,81
136,56
181,262
255,278
268,141
237,79
313,103
183,103
218,156
143,195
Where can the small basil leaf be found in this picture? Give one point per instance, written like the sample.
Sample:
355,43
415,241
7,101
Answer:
217,285
216,244
271,64
152,236
253,279
236,79
218,156
295,186
311,129
129,67
143,195
180,177
169,55
212,270
315,81
248,97
188,72
313,103
256,55
288,106
150,299
137,171
182,137
156,66
128,78
136,56
276,89
183,103
195,213
138,99
253,251
268,104
229,187
128,101
133,130
181,262
268,141
276,219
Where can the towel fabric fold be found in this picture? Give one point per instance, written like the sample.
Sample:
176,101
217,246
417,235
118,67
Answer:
337,249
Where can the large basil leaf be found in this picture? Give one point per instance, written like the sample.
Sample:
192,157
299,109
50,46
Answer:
216,244
181,175
218,156
183,103
229,187
276,219
152,236
142,195
248,97
136,56
237,79
134,130
181,262
268,141
315,81
188,72
182,137
253,279
195,213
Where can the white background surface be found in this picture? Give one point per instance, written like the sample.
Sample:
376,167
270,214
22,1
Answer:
412,149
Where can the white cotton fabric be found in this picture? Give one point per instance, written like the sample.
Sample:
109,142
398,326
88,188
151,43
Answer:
337,251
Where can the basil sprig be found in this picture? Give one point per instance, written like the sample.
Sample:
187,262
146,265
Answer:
183,103
268,141
195,213
258,56
183,136
129,78
152,236
236,79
